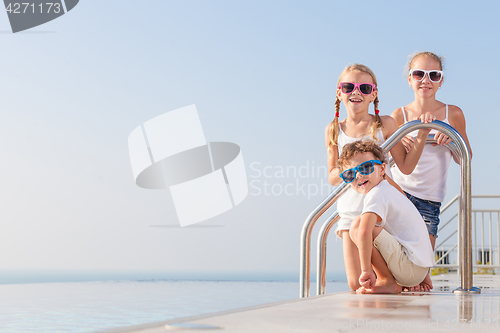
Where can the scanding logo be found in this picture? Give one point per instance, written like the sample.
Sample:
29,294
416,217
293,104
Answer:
205,179
26,14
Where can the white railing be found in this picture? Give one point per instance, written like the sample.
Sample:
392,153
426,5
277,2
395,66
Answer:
485,224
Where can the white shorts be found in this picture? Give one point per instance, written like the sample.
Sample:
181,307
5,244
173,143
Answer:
345,222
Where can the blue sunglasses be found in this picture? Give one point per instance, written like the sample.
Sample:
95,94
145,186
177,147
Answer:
364,168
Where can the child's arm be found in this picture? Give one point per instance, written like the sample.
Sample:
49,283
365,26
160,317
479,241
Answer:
457,121
407,161
408,141
333,156
364,242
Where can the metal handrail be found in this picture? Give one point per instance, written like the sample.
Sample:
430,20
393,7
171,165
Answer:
321,252
462,151
305,244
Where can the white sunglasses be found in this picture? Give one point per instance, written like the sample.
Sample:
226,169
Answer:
419,74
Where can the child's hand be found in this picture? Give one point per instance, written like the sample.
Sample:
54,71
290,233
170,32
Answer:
441,139
426,118
367,279
408,142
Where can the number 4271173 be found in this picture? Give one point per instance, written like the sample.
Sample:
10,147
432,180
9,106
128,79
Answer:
26,7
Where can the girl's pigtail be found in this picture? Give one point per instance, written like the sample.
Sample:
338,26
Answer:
377,123
334,126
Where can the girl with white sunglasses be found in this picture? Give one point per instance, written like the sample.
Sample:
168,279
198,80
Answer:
357,89
426,185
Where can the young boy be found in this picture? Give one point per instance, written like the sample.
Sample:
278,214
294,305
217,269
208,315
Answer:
393,245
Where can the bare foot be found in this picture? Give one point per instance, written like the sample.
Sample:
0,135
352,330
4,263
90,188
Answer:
412,289
426,284
381,287
361,290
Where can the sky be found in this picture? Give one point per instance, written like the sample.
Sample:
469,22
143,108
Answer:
262,74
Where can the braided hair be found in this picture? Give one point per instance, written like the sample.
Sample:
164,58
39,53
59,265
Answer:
334,125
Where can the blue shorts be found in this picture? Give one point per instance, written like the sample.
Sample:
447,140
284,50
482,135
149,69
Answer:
430,212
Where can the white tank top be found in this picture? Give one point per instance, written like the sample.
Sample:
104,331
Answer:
428,180
352,201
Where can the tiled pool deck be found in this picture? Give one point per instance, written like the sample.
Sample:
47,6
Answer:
436,311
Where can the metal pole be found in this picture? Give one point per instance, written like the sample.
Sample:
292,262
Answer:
465,193
321,264
305,244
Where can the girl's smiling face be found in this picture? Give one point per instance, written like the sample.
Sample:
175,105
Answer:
355,101
425,88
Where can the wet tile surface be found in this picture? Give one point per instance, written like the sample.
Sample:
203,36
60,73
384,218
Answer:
437,311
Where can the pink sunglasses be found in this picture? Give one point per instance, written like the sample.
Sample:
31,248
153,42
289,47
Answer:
349,87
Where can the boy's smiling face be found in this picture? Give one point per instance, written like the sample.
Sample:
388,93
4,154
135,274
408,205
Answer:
364,183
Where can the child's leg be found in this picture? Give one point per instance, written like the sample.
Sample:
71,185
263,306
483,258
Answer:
426,284
351,260
433,240
385,284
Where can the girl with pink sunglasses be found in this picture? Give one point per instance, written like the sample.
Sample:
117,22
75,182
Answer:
357,89
426,185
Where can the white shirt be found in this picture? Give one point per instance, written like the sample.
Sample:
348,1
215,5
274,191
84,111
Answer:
402,220
428,180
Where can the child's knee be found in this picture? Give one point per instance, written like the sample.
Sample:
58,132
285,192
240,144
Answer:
352,234
353,283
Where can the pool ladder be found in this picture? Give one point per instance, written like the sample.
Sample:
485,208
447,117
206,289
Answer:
460,149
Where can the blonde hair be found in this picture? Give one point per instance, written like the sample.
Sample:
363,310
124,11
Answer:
334,125
356,147
412,57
